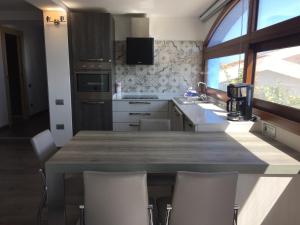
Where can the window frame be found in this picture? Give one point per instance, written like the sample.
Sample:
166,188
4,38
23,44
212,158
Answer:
280,35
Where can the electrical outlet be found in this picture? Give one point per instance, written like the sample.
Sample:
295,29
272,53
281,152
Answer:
60,126
269,130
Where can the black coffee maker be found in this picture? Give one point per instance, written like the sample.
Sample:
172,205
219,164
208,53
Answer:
239,106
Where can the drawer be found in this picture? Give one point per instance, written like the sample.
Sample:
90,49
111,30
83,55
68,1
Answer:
140,106
126,126
134,117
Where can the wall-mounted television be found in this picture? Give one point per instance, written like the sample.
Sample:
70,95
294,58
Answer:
140,51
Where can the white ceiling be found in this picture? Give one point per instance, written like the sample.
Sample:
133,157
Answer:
159,8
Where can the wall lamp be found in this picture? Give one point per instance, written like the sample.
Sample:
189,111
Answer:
56,21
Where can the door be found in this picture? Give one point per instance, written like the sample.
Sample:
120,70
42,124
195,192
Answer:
94,115
15,83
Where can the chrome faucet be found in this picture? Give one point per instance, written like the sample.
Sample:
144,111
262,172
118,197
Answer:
203,96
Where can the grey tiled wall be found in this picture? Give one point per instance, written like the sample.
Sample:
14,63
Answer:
177,66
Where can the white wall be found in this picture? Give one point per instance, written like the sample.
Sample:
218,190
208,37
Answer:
3,100
165,28
177,29
122,27
58,70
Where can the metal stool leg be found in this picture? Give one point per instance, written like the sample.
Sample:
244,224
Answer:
43,199
236,212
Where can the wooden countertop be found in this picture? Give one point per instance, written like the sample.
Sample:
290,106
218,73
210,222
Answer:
173,151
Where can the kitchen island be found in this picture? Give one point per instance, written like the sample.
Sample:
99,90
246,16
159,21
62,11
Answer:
268,185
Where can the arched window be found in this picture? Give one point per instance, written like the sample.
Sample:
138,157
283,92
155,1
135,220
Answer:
258,42
233,25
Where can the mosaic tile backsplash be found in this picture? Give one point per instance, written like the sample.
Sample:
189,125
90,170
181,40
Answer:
177,66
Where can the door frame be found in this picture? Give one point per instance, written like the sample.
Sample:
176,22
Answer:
23,91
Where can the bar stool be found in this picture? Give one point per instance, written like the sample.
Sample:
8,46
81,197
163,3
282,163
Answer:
203,199
115,198
44,147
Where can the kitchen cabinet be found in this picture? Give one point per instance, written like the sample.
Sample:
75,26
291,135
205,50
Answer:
177,119
128,113
94,115
91,43
188,125
92,35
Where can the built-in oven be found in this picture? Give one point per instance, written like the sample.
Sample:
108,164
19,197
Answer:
93,82
93,85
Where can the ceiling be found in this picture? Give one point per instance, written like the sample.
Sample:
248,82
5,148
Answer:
159,8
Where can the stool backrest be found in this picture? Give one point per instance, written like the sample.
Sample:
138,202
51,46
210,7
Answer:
203,199
116,198
44,146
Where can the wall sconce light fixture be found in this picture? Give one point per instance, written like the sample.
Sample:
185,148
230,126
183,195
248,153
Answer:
56,21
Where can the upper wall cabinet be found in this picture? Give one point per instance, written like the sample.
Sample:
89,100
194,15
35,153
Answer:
92,36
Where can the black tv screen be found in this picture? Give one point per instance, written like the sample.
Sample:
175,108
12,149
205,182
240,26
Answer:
140,51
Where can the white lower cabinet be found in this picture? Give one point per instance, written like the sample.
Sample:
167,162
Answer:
127,113
129,117
126,126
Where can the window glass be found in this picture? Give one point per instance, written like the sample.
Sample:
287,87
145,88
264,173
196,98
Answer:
271,12
277,76
225,70
233,25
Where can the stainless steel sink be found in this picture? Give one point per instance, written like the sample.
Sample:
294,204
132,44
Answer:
189,101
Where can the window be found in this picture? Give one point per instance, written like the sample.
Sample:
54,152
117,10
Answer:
225,70
277,76
271,12
233,25
272,56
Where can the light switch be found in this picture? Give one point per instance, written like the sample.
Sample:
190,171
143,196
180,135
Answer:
59,102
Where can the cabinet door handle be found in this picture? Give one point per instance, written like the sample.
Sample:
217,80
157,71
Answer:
94,103
142,103
94,60
139,114
134,125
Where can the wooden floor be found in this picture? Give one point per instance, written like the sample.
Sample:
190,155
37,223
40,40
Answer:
27,128
19,183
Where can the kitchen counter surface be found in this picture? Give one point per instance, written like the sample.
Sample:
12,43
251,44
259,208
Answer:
244,152
208,117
